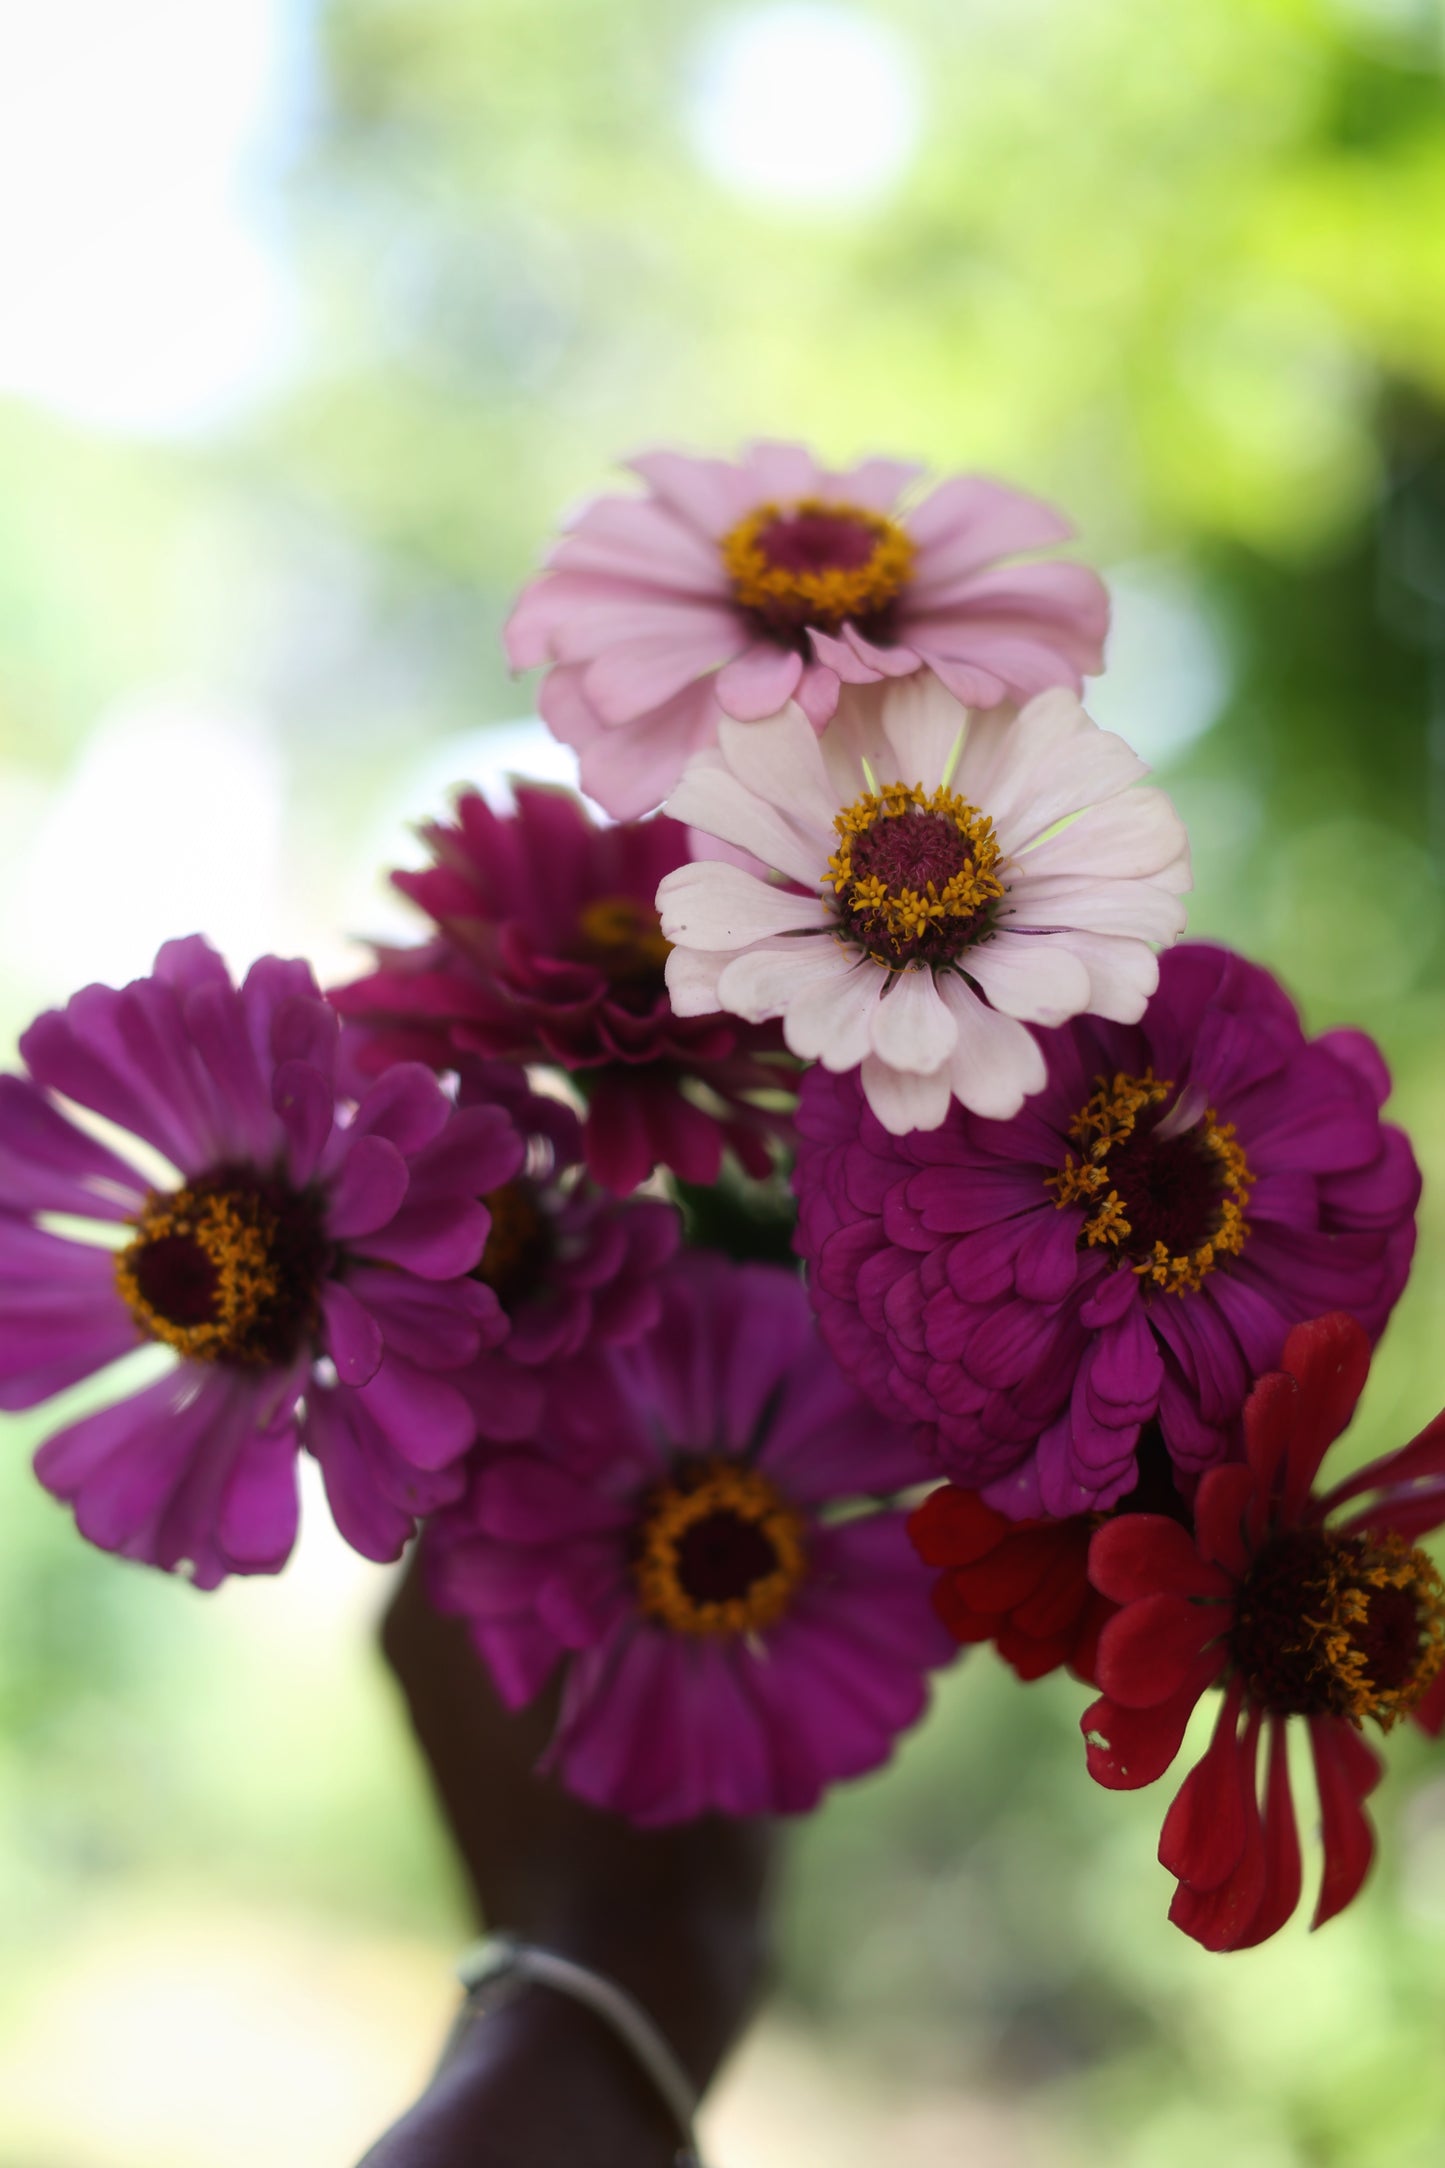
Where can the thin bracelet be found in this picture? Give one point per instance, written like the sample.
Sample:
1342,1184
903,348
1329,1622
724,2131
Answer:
500,1957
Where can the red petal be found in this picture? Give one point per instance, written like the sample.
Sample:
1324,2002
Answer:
1204,1832
953,1527
1430,1715
1331,1358
1148,1651
1422,1460
1270,1415
1131,1747
1281,1846
1222,1918
1144,1554
1346,1771
1220,1507
1010,1573
962,1621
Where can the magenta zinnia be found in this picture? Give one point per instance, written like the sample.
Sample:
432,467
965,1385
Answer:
548,949
1135,1245
726,1642
731,589
1308,1608
309,1268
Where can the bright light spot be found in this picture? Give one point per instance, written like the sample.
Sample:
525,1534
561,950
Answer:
1168,676
807,104
169,823
137,143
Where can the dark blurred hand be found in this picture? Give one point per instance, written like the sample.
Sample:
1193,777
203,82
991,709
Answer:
676,1917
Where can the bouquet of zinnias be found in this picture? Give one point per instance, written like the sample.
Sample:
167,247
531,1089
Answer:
1096,1240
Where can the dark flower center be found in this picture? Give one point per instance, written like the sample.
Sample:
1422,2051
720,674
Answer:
520,1243
228,1269
1164,1193
1330,1625
717,1550
816,564
913,879
622,937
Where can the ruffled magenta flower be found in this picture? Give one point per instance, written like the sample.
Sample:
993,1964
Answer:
572,1268
310,1271
1299,1606
965,876
729,590
1135,1244
726,1644
548,949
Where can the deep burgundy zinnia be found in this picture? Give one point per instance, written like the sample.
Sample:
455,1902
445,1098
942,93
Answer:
726,1642
308,1264
548,949
572,1268
1301,1606
1135,1244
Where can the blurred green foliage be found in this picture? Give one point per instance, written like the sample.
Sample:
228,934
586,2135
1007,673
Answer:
1182,268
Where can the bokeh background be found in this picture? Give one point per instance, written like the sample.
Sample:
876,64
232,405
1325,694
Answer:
312,319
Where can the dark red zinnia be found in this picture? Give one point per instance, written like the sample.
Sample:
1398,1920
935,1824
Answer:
548,949
1024,1585
1335,1621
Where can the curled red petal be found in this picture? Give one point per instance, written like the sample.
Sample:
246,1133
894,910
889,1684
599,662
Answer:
1281,1846
1421,1462
1346,1771
1270,1416
1149,1649
1128,1748
1222,1918
1221,1508
1146,1554
1330,1357
1205,1830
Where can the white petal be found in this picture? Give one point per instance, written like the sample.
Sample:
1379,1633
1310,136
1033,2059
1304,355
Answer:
692,976
1135,835
924,725
854,734
1122,975
766,980
984,756
1140,909
709,796
712,905
1035,977
997,1062
1056,762
903,1101
778,760
912,1028
830,1020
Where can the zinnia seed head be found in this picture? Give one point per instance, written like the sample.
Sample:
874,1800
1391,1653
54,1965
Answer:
1329,1625
815,564
717,1550
914,876
227,1269
1165,1193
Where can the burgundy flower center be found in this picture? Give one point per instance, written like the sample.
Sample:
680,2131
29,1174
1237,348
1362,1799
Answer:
520,1243
1162,1191
914,877
816,564
622,937
228,1269
718,1550
1330,1625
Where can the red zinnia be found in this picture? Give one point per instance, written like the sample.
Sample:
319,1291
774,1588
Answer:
1024,1585
1294,1616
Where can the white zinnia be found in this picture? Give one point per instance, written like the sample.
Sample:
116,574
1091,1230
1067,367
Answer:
966,875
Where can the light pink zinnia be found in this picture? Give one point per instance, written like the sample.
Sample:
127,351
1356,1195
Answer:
730,589
964,876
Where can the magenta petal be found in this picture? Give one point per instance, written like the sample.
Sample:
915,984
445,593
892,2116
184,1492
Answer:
260,1506
47,1164
305,1106
369,1189
353,1337
424,1419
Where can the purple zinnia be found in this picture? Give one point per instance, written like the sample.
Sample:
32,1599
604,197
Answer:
726,1643
572,1268
311,1271
549,949
1135,1244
